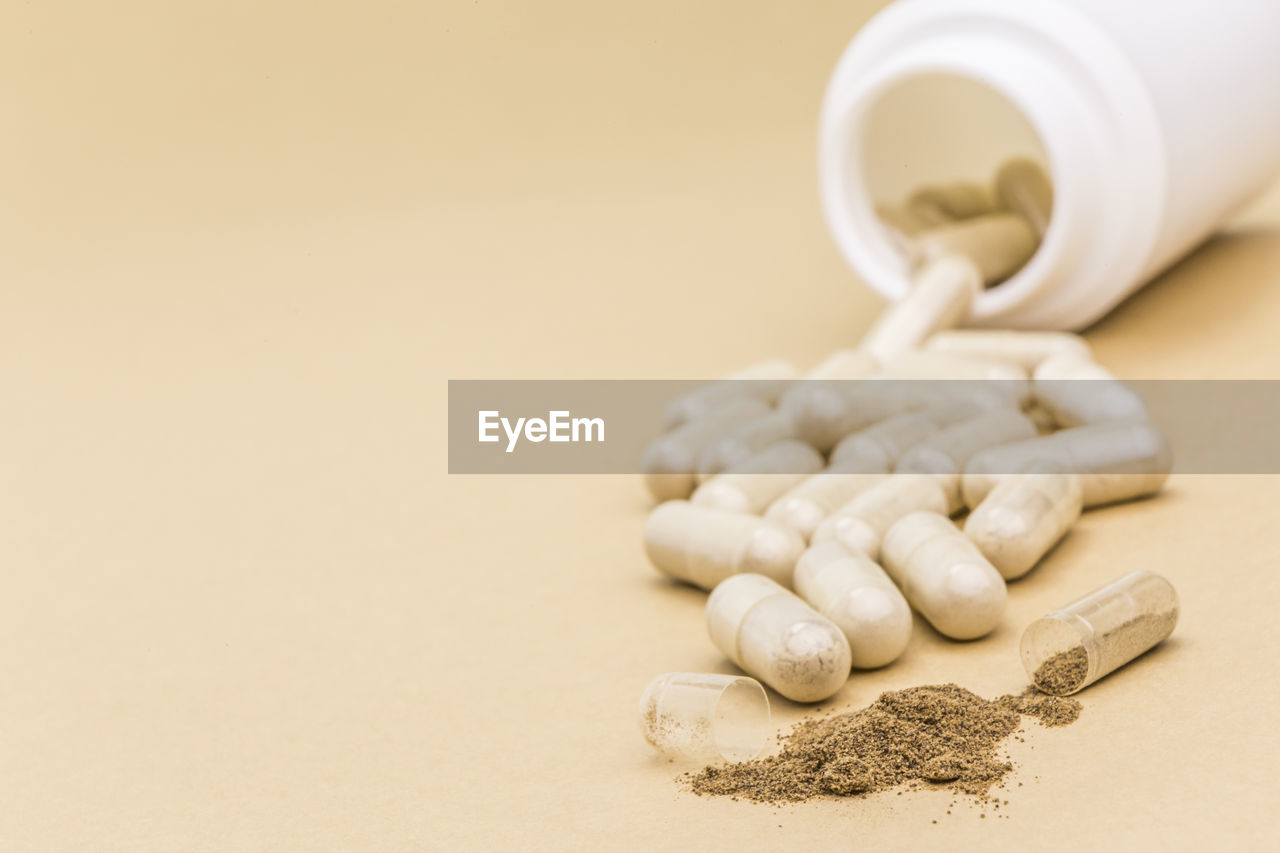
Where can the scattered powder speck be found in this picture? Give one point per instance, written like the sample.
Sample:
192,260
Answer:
935,736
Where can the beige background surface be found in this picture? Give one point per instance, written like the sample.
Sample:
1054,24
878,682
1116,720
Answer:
242,247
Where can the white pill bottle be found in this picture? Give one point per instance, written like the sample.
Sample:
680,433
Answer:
1155,119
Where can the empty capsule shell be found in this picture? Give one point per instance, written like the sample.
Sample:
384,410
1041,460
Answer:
670,463
766,381
861,523
703,546
939,298
852,591
1115,461
776,637
1023,517
756,483
944,575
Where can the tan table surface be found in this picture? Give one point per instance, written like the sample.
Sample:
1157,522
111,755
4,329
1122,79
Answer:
244,245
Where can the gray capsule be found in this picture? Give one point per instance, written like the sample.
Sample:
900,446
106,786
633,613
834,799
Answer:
1115,461
765,381
670,463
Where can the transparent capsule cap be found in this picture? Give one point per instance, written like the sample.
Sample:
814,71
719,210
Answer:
699,716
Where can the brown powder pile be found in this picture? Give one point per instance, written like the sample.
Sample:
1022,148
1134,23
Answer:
922,735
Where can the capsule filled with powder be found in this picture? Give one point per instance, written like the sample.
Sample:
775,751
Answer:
1071,648
776,637
852,591
944,575
703,545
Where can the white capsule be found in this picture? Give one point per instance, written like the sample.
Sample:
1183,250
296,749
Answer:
1023,517
861,523
758,482
670,463
703,545
765,381
944,575
774,636
744,442
852,591
957,200
999,244
805,506
1022,187
1076,391
1025,349
1116,461
946,452
939,298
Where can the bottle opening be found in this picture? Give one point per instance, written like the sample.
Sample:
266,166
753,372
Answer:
944,163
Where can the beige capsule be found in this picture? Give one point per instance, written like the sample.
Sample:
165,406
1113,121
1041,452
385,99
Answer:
1076,390
1116,462
1023,517
861,524
1025,349
947,452
944,575
671,462
843,364
940,295
703,545
852,591
1022,187
744,442
999,244
963,377
776,637
751,486
803,507
765,381
956,200
882,444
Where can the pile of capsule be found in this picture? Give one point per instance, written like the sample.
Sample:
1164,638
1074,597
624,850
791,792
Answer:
818,510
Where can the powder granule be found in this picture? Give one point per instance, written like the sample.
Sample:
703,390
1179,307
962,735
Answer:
940,734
